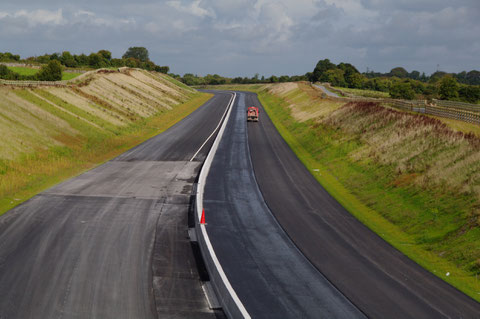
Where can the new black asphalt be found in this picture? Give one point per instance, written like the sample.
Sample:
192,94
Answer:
112,242
269,274
374,276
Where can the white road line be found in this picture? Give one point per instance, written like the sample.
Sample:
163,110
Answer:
199,206
213,133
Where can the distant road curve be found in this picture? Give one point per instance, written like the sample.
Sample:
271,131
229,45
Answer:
325,90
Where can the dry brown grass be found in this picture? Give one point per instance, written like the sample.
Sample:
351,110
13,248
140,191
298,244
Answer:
423,148
105,99
305,102
86,105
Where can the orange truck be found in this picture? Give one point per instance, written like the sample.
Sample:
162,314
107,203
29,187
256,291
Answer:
252,114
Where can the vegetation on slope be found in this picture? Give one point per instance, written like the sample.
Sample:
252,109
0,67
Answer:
53,133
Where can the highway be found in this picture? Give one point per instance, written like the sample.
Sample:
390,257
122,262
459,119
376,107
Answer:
268,273
374,276
112,242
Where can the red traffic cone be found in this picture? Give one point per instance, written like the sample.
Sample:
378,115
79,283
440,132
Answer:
202,219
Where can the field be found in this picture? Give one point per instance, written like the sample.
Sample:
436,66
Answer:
365,93
30,71
412,179
50,134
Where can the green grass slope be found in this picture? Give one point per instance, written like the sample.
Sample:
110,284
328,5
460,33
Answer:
53,133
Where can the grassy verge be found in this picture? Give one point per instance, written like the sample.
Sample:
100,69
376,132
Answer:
24,177
70,75
434,224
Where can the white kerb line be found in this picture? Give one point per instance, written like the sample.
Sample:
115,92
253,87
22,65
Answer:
219,123
199,204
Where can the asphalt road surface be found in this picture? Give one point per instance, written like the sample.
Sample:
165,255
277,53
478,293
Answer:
376,277
268,273
112,242
325,90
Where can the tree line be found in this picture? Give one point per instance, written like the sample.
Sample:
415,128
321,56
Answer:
134,57
215,79
400,83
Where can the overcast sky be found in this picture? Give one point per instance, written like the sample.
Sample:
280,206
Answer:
244,37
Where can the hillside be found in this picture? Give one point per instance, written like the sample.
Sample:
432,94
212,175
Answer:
50,133
413,179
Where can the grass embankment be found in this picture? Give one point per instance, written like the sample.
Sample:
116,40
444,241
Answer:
410,178
47,139
31,71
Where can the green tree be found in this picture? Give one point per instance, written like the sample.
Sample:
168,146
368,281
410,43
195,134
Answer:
399,72
415,75
473,77
430,91
51,72
402,90
81,59
162,69
139,53
356,81
320,69
469,93
95,60
335,77
132,62
7,74
68,60
349,73
435,77
448,88
273,79
105,54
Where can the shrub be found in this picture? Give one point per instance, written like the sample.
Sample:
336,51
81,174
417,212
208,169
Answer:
51,72
448,88
402,90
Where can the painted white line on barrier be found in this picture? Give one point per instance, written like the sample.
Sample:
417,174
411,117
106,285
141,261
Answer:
208,138
199,204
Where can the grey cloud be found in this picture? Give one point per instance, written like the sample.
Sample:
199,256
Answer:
243,37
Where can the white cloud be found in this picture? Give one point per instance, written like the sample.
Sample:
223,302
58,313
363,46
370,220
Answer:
80,13
92,19
37,17
193,8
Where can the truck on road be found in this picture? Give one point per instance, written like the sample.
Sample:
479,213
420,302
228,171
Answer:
252,114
